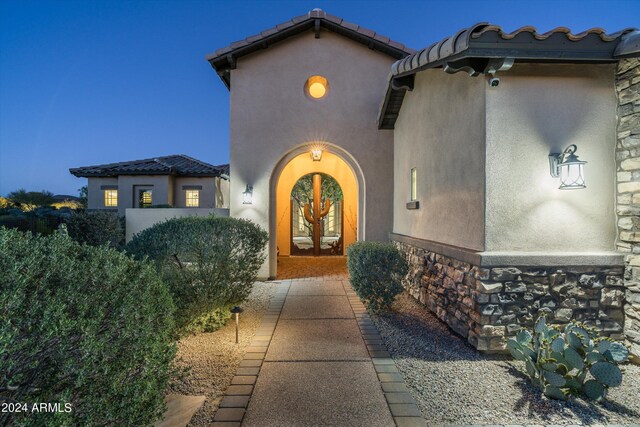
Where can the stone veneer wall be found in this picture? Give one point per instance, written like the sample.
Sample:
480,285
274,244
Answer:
488,305
628,197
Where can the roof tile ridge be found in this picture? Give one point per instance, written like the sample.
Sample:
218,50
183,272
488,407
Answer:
195,160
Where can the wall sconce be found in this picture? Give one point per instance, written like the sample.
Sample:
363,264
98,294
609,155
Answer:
247,195
567,166
316,154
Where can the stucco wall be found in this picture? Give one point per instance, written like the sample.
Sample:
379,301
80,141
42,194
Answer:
222,193
207,192
536,110
95,194
141,219
441,133
270,114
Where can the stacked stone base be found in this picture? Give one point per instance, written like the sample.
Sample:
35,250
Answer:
628,196
489,305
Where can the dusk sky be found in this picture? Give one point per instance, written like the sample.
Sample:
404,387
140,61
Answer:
92,82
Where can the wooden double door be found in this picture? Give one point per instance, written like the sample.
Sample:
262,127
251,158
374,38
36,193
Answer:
317,216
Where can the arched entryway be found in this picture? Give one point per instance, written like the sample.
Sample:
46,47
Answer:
333,163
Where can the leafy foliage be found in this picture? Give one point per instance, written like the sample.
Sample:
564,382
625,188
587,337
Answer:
559,363
83,194
96,228
376,270
29,200
209,263
82,325
5,203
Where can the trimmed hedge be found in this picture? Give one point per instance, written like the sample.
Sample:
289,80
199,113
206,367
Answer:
208,263
96,228
82,325
376,271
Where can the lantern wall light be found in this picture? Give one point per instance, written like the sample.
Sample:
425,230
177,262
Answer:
568,168
247,195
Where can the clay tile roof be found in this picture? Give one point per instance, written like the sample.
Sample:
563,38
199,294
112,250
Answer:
471,48
223,60
178,164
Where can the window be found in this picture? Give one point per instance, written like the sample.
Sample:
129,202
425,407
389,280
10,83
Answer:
317,87
110,198
193,198
146,198
414,185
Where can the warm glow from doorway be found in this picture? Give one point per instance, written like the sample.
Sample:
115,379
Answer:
300,166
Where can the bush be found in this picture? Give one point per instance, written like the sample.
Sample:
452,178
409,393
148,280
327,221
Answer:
376,271
558,362
96,228
208,263
37,221
82,325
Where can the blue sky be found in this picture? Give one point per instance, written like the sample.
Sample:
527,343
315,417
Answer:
89,82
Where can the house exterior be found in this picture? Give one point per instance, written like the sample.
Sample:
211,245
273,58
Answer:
468,154
176,181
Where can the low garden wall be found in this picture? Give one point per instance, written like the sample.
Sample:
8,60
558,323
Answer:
487,305
138,219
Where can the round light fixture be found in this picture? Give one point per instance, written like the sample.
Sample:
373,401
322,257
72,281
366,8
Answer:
317,87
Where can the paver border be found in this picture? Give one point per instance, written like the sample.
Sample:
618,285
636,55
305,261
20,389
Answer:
403,408
233,405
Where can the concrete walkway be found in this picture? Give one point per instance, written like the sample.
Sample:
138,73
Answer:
317,360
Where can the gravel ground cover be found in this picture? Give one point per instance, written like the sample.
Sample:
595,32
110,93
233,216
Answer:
213,357
453,383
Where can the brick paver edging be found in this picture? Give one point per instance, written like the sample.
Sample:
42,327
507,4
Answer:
403,407
234,404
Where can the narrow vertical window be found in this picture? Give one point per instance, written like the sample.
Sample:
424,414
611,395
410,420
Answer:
193,198
110,198
414,185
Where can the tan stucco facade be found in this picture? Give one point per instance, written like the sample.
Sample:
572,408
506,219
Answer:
538,110
441,132
271,116
481,155
167,190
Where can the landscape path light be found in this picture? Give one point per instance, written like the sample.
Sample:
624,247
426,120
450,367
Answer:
236,311
568,167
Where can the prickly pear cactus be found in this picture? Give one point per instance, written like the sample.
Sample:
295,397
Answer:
568,363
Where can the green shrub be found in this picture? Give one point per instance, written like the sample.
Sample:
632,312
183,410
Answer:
211,321
96,228
82,325
208,262
376,271
564,364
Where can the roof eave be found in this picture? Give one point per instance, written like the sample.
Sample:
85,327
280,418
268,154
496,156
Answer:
145,173
224,61
592,52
